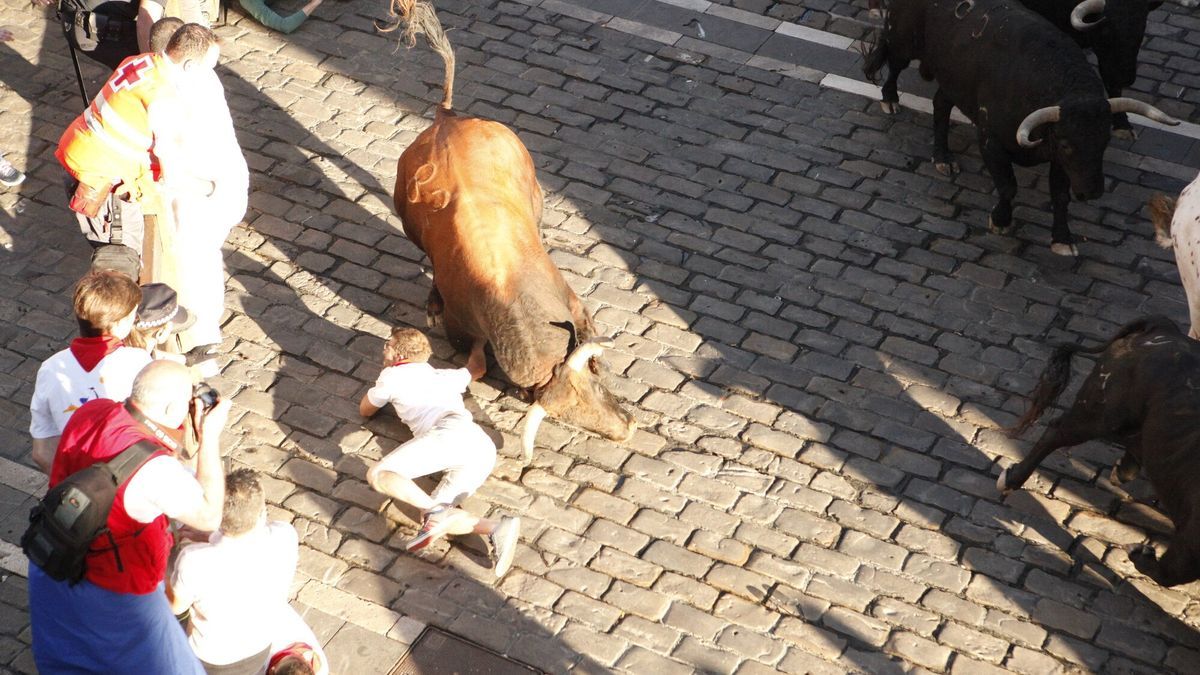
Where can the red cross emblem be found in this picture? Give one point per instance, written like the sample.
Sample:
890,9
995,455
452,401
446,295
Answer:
131,73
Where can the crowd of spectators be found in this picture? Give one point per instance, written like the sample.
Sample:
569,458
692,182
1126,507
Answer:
189,576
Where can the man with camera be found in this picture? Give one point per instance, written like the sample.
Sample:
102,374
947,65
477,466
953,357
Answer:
117,619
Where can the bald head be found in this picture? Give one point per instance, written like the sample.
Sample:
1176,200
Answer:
162,392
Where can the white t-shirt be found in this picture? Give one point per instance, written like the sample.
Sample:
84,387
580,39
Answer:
62,385
420,393
238,588
162,486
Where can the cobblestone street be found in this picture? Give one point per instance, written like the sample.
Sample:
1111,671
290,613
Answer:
818,337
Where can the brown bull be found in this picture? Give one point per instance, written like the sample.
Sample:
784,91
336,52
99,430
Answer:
468,196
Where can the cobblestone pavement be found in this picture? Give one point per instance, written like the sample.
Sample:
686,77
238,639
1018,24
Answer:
815,332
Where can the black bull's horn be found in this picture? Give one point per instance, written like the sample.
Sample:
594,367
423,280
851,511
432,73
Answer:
1122,104
1083,10
577,361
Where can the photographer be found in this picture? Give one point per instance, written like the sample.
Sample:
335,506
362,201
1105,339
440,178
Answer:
117,619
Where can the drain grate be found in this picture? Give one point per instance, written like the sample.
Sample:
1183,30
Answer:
437,652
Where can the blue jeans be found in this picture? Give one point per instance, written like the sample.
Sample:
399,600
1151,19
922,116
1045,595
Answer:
87,629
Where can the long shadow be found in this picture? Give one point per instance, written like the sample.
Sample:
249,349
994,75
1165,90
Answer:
798,266
316,276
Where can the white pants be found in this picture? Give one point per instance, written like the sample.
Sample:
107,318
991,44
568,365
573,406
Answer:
456,446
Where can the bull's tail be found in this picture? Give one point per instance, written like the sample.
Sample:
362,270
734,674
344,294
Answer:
1057,375
1162,210
874,56
418,16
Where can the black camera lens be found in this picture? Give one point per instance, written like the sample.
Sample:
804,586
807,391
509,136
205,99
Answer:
206,395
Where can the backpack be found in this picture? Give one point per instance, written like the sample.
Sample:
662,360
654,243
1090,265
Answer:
63,525
105,30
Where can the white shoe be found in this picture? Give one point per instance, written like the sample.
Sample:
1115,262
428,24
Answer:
9,175
504,543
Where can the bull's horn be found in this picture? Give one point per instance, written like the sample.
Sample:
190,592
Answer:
1034,120
1125,104
1085,9
533,420
579,358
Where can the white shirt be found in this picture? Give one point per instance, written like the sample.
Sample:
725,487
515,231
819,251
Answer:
162,486
420,393
62,386
238,589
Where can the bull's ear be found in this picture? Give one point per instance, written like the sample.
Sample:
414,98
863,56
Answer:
572,338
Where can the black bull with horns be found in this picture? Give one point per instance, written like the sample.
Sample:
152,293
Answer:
1029,89
1143,394
1112,29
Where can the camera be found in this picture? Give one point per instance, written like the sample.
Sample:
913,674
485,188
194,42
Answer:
206,395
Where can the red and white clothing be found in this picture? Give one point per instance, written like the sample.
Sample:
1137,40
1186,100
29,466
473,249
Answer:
445,437
90,368
237,588
160,489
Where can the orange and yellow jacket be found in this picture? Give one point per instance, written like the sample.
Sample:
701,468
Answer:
112,141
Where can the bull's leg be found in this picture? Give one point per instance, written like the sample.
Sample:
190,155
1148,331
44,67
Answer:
999,166
1120,121
1126,469
434,308
477,361
1179,564
1074,427
890,102
1061,241
943,161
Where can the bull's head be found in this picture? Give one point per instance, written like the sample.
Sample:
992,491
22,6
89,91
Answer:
1079,136
576,396
1116,29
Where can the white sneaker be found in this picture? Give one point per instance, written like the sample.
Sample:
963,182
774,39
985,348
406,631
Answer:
9,175
504,543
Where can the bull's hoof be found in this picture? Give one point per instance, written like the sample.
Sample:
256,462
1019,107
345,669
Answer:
889,107
433,320
996,229
946,168
1059,248
1002,483
875,14
1141,554
1125,134
1115,476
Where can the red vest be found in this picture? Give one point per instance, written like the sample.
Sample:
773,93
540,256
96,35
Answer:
98,431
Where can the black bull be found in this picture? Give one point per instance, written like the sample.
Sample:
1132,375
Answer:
1143,394
1029,89
1113,29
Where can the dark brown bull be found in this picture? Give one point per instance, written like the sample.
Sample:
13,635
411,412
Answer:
1143,394
468,196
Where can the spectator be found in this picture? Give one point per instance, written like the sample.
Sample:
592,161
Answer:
117,619
115,145
151,12
298,658
273,20
9,174
159,317
236,585
96,365
203,221
445,439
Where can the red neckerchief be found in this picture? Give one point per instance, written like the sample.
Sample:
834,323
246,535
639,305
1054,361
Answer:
401,362
90,351
298,649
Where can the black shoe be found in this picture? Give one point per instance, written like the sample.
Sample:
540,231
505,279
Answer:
200,354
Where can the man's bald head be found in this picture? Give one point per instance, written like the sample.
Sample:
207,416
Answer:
162,392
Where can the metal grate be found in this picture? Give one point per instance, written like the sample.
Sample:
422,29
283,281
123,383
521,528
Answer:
437,652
